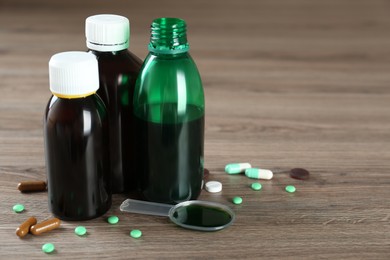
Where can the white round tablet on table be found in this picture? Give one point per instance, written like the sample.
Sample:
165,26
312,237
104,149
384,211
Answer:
213,186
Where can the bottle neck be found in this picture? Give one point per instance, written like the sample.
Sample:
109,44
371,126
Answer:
108,53
101,47
73,96
168,36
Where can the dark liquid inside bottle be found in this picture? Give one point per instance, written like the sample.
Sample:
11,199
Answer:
118,72
170,154
76,157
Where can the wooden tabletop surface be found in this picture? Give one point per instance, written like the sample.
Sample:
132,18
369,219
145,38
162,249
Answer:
288,84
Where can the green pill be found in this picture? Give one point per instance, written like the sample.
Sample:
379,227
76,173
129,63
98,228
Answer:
113,220
80,231
237,200
256,186
290,188
18,208
136,233
48,248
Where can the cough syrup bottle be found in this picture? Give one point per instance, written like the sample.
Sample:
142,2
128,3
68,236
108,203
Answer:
108,39
76,135
169,111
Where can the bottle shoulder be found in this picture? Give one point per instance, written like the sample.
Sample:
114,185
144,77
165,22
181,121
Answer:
75,107
122,59
171,64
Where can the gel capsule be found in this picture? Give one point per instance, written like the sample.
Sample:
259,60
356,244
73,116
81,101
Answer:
45,226
235,168
24,228
29,186
256,173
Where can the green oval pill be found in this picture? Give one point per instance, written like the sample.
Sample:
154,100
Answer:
48,248
290,188
18,208
237,200
136,233
80,231
113,220
256,186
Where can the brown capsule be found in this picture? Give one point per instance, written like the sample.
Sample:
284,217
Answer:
29,186
45,226
24,228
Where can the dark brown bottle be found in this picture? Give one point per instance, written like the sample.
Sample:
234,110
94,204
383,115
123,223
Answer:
76,139
108,39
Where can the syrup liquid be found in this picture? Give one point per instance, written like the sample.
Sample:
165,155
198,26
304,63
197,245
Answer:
77,161
170,154
118,72
202,216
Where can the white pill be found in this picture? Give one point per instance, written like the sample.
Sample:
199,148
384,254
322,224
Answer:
213,186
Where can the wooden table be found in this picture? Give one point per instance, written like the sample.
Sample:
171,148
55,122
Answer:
288,84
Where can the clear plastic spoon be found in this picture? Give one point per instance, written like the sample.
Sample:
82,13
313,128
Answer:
193,214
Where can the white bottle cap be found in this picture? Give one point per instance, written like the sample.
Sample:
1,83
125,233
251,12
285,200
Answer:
73,74
107,32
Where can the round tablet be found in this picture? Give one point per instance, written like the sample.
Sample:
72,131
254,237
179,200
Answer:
206,173
48,248
112,220
213,186
80,231
18,208
299,173
136,233
237,200
290,188
256,186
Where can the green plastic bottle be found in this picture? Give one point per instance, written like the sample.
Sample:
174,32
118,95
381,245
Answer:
169,110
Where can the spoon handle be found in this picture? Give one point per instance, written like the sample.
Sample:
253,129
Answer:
145,207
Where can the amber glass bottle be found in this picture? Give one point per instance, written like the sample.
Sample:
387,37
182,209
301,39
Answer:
108,39
76,135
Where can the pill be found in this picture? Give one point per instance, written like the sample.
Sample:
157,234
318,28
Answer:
206,173
299,173
235,168
237,200
256,173
24,228
48,248
45,226
290,188
112,220
136,233
213,186
256,186
80,231
30,186
18,208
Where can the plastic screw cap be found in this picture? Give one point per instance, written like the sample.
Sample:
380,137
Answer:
73,74
107,32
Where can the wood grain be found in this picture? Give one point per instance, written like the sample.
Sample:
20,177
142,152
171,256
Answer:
288,84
